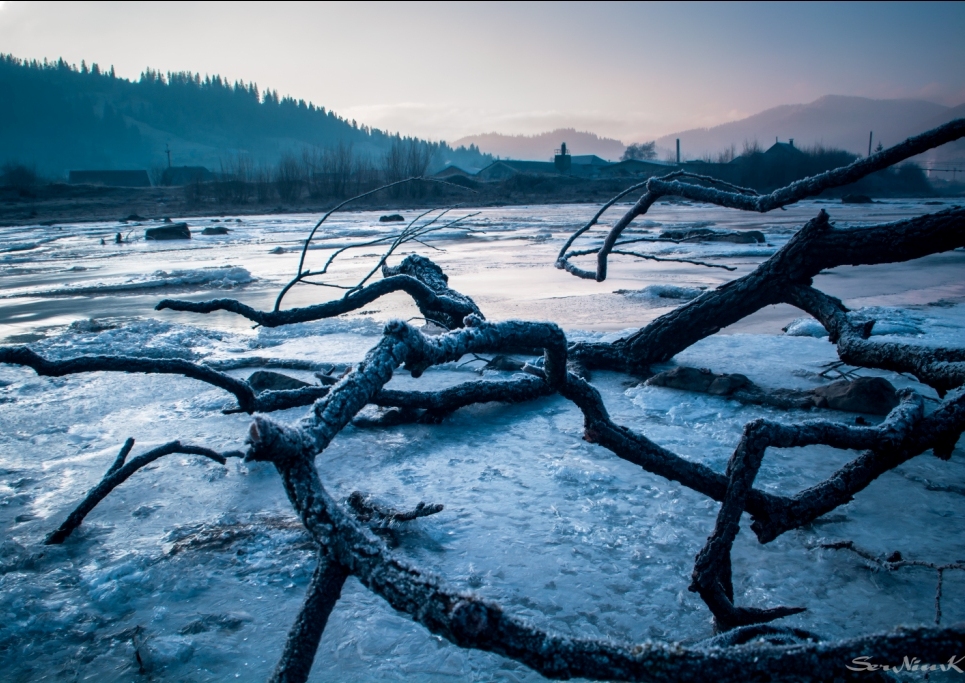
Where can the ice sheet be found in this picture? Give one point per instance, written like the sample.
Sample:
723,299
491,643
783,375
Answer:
203,567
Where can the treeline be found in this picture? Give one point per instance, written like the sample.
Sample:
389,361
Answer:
57,116
337,172
766,171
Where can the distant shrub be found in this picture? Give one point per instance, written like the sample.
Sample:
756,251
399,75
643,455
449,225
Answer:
18,176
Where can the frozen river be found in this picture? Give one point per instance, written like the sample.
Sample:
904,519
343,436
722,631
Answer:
205,565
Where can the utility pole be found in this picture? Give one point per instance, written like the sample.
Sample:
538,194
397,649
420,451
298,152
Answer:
168,150
870,135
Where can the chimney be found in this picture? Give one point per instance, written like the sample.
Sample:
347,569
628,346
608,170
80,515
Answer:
678,151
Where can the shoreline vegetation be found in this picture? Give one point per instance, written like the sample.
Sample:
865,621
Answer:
53,203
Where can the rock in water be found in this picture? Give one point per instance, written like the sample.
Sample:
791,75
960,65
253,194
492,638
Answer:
856,199
265,380
872,395
391,218
217,230
174,231
704,381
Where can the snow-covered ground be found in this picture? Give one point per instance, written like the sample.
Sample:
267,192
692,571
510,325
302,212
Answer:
205,566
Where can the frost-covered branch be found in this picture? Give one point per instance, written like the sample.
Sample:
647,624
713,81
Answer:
374,514
712,577
21,355
325,589
940,368
817,246
119,472
470,621
742,199
416,276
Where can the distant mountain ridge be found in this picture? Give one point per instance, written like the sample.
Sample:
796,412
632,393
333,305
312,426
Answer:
838,121
832,121
542,147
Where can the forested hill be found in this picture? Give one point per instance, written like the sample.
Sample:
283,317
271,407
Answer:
56,116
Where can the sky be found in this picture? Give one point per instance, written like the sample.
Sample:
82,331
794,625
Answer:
631,71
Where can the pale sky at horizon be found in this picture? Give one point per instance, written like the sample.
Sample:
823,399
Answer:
442,71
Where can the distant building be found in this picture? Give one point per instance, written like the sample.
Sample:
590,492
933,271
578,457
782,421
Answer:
110,178
582,166
562,161
450,171
588,160
186,175
784,150
636,168
505,168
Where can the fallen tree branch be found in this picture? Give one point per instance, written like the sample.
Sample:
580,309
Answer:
119,472
712,576
941,368
897,561
817,246
369,512
469,621
429,296
658,187
650,257
325,589
22,355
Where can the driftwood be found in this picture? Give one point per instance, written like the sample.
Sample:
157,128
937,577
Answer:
745,649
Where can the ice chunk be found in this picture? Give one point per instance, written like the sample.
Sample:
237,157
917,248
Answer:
805,327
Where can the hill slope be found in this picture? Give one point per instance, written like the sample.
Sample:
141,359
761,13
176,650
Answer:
542,147
59,117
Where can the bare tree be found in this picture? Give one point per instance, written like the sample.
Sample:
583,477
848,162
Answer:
407,158
643,151
289,178
745,648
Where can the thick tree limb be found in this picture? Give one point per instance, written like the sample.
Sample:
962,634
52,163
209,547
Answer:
119,472
325,589
712,569
638,449
427,272
902,436
940,368
817,246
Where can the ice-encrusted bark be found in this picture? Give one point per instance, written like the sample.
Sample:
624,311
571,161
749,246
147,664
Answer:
817,246
472,622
